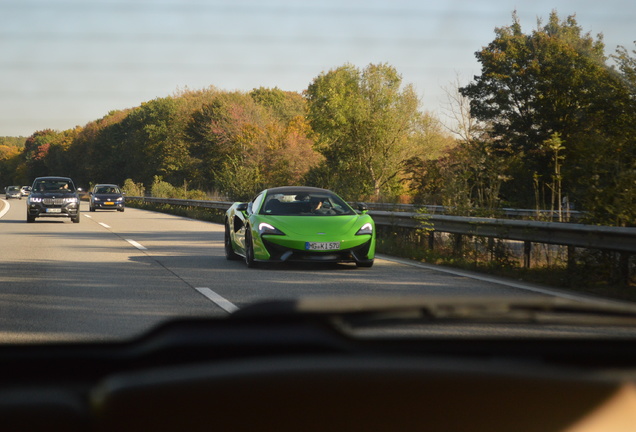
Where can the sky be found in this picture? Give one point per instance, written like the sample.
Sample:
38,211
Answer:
64,63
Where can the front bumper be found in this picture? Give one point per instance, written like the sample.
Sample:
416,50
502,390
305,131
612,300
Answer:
359,253
69,210
108,205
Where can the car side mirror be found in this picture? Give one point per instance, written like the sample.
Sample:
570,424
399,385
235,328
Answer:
242,207
363,207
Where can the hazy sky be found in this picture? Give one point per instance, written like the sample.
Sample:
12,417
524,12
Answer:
64,63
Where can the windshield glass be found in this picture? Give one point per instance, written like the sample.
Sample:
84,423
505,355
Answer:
107,190
297,203
60,186
396,149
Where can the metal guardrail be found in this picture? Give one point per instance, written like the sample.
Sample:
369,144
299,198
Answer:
616,239
567,234
506,212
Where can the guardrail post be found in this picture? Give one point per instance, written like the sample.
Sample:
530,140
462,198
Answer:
431,240
527,251
457,243
571,259
624,273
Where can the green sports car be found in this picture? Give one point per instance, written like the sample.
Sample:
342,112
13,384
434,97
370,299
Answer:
299,224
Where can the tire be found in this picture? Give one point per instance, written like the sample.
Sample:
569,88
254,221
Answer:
91,208
230,255
30,219
121,209
364,263
76,219
249,249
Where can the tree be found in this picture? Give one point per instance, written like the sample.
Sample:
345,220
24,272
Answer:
243,142
554,80
367,125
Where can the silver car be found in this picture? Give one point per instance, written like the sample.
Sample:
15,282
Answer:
13,192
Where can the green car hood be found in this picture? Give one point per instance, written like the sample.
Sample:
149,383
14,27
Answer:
303,226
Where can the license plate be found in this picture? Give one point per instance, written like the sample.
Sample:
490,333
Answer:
109,203
322,245
53,210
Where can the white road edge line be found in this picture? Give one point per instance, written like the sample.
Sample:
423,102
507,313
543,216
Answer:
88,216
223,303
135,244
6,208
104,225
518,285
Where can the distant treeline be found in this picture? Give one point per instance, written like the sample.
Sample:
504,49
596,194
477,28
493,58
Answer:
549,123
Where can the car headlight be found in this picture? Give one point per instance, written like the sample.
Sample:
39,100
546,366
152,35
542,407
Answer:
120,199
367,228
96,199
70,200
34,200
265,228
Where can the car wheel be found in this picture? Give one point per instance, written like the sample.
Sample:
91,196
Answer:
121,210
230,255
91,208
76,219
364,263
30,219
249,249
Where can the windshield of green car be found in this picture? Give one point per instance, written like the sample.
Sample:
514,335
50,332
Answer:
305,204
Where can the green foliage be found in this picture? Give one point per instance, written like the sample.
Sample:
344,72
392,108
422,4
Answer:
368,126
133,189
240,181
555,80
285,106
467,178
163,189
17,142
243,142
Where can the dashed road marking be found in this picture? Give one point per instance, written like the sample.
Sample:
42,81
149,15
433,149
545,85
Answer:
135,244
222,302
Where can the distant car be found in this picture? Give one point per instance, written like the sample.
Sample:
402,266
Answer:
106,197
25,190
53,197
299,224
13,192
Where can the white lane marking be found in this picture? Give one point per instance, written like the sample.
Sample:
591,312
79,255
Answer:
88,216
135,244
518,285
104,225
5,209
220,301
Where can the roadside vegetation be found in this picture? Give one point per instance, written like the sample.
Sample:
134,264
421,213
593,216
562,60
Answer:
550,124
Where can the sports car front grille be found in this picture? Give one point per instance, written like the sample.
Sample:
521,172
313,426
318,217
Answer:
53,201
280,253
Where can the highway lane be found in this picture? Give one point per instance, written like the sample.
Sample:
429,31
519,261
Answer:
114,275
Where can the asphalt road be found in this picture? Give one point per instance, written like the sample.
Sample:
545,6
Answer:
115,275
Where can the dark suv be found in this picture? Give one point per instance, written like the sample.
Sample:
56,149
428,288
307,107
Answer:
53,197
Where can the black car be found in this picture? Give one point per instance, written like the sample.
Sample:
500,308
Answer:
106,197
53,197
